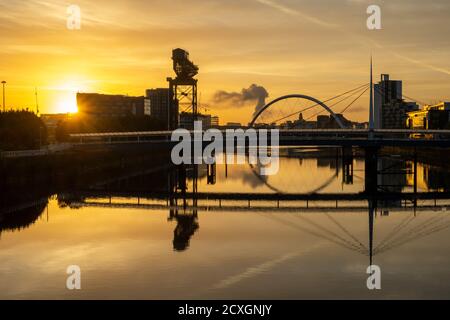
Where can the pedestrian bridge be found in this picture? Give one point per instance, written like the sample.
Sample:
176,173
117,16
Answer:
293,137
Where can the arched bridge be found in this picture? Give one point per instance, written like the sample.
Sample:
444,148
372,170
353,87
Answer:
298,96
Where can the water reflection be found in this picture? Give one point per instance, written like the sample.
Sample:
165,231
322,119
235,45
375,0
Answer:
337,172
320,193
22,217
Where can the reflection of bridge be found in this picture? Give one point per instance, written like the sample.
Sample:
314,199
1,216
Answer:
402,233
261,202
258,197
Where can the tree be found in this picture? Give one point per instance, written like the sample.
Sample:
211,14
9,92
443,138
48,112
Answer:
21,130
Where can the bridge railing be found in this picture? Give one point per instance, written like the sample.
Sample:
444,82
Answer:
379,134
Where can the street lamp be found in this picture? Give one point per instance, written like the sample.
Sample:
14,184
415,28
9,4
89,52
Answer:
4,107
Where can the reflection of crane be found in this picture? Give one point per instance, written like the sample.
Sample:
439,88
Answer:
187,225
187,222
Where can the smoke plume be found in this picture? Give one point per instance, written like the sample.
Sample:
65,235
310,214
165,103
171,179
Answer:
254,93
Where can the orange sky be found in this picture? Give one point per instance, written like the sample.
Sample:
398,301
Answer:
318,48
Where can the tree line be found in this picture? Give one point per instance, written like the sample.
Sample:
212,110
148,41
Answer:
24,130
21,130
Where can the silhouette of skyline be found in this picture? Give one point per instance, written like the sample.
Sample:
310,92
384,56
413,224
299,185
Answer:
284,46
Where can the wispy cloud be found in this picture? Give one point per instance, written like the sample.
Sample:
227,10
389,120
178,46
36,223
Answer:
363,40
294,12
422,64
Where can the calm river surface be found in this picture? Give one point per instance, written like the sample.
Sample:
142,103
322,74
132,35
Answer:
132,246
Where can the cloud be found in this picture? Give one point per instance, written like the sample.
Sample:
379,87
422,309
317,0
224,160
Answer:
422,64
293,12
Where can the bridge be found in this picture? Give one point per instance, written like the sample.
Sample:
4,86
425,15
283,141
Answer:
292,137
292,107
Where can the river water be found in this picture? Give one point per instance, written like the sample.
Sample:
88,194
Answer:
131,245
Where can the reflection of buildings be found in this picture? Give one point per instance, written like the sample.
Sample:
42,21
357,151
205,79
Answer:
391,177
437,179
432,178
392,174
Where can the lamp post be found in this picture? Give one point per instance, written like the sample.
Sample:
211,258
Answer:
4,106
371,114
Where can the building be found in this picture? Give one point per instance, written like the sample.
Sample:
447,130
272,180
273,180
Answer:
233,125
51,122
395,114
215,123
187,121
301,123
105,105
390,110
385,92
328,122
360,125
430,117
159,101
323,122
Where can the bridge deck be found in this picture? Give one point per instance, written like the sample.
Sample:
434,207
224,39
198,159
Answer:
297,137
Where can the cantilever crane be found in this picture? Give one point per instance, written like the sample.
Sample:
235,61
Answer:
183,89
183,67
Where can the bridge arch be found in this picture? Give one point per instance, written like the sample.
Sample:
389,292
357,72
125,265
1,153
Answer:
299,96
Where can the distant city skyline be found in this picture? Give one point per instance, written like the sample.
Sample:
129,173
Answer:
284,46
